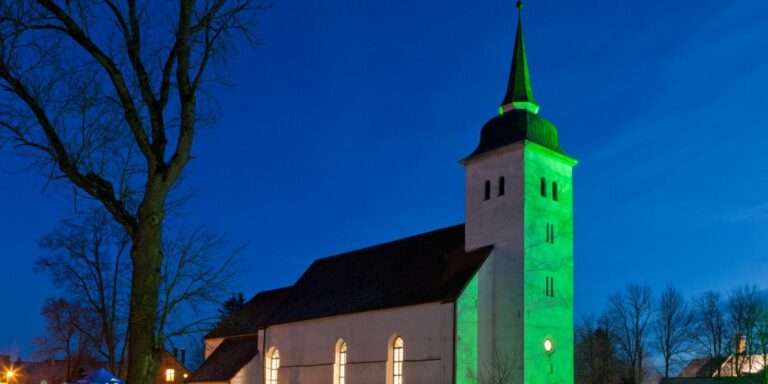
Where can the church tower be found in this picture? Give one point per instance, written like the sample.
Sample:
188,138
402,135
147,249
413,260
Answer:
519,200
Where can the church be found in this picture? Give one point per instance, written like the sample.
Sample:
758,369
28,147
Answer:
487,301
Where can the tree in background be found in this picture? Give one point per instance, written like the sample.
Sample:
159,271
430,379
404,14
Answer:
105,98
66,327
761,333
710,328
595,355
86,256
672,326
742,310
629,316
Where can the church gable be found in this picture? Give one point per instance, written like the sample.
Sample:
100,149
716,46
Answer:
227,360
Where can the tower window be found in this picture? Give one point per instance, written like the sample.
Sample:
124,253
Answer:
487,190
543,187
550,289
501,186
397,361
554,191
550,233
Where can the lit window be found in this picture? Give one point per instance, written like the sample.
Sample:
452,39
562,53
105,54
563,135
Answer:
341,363
501,186
543,187
487,190
170,375
397,371
554,191
272,365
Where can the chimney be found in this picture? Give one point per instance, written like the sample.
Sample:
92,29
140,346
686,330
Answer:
183,355
741,344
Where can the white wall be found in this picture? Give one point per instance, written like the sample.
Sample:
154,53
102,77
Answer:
307,348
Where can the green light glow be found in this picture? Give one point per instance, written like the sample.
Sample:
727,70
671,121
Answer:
466,334
501,110
548,317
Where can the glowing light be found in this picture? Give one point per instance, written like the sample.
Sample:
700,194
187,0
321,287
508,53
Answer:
170,375
548,345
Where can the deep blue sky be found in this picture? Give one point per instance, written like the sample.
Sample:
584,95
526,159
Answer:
344,127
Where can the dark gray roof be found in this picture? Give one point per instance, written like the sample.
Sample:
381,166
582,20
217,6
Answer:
514,126
227,359
425,268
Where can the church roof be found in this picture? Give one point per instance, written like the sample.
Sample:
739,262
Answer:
519,92
518,118
226,360
429,267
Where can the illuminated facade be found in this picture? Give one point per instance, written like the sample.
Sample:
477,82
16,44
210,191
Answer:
487,301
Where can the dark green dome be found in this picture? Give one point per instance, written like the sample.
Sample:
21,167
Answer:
517,125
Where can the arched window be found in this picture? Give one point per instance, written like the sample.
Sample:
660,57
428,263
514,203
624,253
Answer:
501,186
271,365
554,190
543,187
397,361
487,190
340,371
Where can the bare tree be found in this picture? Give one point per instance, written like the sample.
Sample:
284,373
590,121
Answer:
106,98
86,256
761,333
595,355
710,328
629,316
501,369
65,322
672,328
742,312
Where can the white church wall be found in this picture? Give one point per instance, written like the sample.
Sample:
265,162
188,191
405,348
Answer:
499,221
307,348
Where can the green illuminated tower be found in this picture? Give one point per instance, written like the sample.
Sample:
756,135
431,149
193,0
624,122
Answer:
516,315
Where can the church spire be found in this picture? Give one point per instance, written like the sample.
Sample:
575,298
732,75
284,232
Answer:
519,93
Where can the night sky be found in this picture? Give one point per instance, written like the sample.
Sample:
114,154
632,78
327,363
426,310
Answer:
344,128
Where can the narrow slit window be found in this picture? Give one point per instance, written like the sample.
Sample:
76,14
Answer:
554,191
550,286
501,186
547,232
551,233
543,187
487,190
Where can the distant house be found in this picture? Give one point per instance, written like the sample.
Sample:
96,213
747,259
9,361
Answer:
707,370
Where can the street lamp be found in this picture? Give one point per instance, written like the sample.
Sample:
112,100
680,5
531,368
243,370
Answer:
8,376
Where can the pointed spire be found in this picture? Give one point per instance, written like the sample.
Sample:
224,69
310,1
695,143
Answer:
519,93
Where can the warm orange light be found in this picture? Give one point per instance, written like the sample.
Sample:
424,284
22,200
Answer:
9,375
170,375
